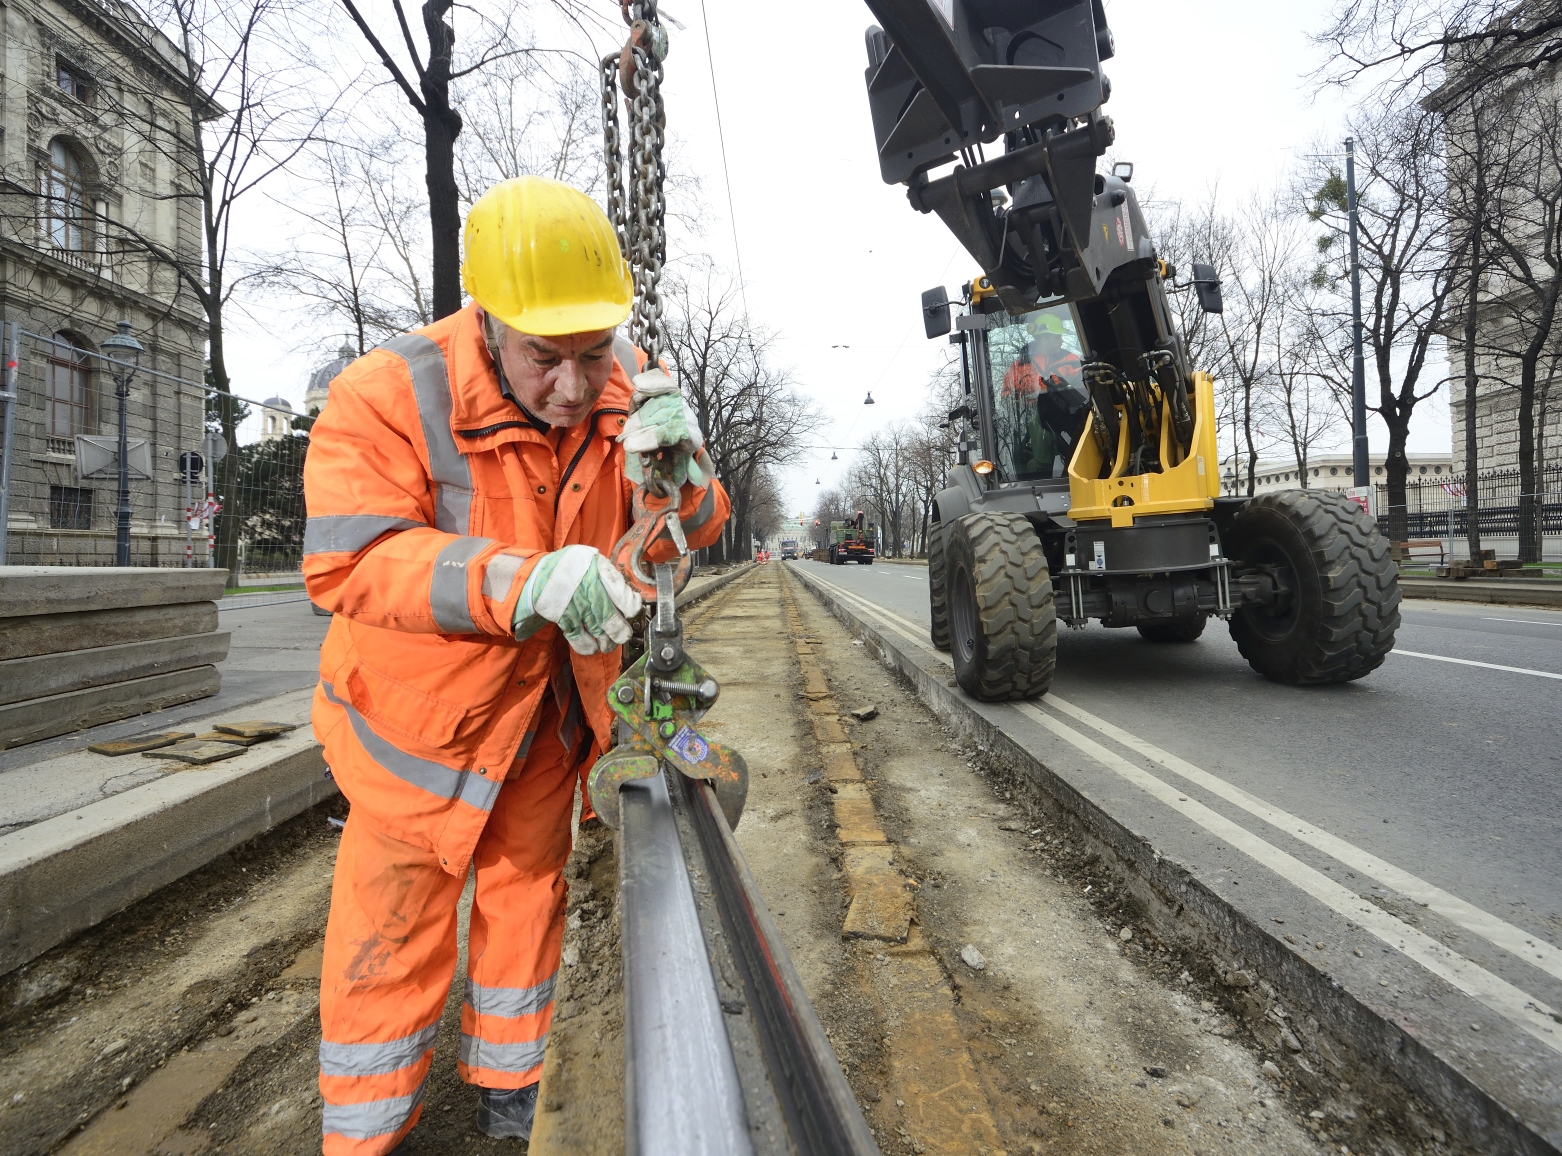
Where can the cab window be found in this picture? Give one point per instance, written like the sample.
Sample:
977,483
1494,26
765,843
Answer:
1039,399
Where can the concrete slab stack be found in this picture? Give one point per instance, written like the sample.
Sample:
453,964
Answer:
82,645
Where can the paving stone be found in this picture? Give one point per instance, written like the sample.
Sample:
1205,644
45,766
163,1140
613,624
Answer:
196,753
140,743
234,740
255,729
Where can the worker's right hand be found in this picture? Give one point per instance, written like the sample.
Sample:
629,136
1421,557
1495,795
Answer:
578,589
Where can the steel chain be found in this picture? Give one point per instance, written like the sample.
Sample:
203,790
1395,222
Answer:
641,213
613,150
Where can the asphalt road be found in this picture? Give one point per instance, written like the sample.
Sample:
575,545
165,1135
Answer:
1448,770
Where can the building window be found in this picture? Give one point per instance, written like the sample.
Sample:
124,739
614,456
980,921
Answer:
1423,469
70,508
1377,469
67,389
67,199
73,83
1334,471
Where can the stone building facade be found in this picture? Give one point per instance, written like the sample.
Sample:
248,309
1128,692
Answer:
1504,132
96,156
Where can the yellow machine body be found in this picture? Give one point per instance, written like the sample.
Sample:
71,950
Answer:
1100,490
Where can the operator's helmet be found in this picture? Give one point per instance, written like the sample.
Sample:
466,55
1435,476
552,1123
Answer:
1043,323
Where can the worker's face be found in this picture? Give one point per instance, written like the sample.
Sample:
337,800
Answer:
557,378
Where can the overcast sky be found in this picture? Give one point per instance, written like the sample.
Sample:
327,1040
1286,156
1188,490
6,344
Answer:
1203,94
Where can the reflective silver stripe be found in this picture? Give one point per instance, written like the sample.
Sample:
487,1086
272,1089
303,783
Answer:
499,575
447,587
430,386
380,1059
369,1118
702,514
513,1058
435,778
510,1002
624,354
349,533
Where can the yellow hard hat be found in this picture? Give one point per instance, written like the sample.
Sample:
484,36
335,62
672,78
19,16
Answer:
543,258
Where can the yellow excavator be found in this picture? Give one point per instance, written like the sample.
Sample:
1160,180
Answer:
1086,484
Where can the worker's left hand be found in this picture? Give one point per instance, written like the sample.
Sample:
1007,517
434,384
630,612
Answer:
580,590
660,419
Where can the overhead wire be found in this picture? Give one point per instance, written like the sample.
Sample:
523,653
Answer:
726,173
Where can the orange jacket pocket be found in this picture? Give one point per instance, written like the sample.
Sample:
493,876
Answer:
392,705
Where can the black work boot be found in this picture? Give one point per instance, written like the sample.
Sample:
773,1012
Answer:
507,1113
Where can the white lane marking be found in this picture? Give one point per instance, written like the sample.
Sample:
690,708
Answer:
1502,997
1532,949
1497,994
1525,621
1472,662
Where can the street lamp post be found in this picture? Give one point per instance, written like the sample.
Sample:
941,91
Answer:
124,354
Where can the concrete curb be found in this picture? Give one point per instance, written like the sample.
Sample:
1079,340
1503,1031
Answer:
1488,591
1398,1049
64,874
35,719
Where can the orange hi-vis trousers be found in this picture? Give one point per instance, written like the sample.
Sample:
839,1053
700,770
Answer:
390,953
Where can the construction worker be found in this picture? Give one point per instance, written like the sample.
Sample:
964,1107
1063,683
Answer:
1045,364
463,487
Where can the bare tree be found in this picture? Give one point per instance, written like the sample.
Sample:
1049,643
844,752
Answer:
881,472
1406,266
1523,234
751,414
242,120
1251,331
1469,136
435,69
1304,397
1405,45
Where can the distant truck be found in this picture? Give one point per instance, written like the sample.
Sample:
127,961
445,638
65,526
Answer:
851,542
788,548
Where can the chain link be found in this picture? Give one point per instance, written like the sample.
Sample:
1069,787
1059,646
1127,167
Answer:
613,150
636,204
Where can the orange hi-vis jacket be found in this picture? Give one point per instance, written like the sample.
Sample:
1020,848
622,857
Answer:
431,496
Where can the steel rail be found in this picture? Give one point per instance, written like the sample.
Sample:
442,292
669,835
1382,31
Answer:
723,1052
681,1091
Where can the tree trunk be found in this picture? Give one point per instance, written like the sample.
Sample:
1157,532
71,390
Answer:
444,210
1397,468
1529,503
1472,497
441,126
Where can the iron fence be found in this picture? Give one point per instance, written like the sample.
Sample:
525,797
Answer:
193,501
1440,509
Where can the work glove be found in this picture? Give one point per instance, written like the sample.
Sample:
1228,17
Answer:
660,419
578,589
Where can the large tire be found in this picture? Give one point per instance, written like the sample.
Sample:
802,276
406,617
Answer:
1003,628
937,594
1181,630
1340,621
